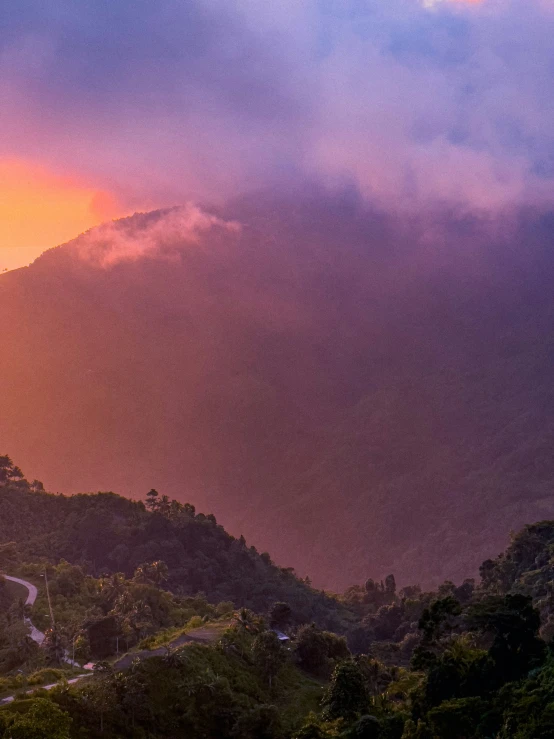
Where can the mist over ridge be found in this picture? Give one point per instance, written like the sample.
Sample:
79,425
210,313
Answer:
358,392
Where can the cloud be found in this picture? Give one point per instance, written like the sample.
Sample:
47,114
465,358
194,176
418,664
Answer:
160,234
159,103
432,3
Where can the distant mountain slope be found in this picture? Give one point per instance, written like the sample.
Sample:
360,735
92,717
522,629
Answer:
104,532
355,393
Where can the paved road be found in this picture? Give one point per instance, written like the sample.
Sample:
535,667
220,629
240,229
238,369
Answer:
73,680
127,660
36,635
201,635
123,663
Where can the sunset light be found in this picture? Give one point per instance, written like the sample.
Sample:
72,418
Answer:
40,209
277,369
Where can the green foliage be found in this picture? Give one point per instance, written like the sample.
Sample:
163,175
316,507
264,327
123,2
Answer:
9,554
514,624
346,696
268,654
460,671
419,730
45,675
316,728
438,618
16,646
471,691
280,616
247,621
318,651
479,666
43,720
261,722
366,727
96,616
199,690
528,706
108,534
458,718
154,573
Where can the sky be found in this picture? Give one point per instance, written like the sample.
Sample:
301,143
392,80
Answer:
112,107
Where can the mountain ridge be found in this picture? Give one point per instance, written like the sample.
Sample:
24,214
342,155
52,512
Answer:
356,393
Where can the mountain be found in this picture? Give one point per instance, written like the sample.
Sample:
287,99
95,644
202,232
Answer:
458,662
105,533
355,391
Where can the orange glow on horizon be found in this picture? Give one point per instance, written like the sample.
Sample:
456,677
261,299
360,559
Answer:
40,209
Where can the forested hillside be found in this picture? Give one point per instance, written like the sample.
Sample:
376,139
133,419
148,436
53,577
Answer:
105,533
356,393
470,659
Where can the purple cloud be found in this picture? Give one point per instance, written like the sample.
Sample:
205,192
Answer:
162,102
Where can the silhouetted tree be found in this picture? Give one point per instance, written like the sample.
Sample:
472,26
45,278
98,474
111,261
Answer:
280,615
152,502
8,471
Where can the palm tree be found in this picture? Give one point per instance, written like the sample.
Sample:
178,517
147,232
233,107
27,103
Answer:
112,587
159,572
53,643
153,573
124,604
164,505
140,618
173,657
202,684
245,620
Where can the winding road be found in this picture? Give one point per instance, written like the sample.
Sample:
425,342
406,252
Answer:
36,635
202,635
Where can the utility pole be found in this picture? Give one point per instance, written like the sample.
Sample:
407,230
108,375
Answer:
49,601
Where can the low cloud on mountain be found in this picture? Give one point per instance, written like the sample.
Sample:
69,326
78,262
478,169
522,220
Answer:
161,103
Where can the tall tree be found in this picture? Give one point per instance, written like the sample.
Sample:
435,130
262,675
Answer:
8,471
152,501
346,697
280,615
269,656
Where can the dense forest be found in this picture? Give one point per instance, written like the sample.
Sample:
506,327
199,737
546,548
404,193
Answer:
107,533
325,373
193,633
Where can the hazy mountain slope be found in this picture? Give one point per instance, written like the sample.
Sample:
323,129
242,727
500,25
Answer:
106,533
354,393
